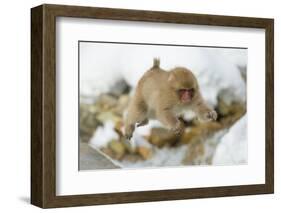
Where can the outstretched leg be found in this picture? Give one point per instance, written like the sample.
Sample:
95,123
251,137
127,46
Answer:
137,113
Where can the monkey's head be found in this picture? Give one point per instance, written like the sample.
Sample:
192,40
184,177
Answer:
184,84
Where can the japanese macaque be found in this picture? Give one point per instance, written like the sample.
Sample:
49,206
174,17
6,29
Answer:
165,95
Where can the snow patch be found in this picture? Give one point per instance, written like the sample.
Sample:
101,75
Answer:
233,149
166,156
103,135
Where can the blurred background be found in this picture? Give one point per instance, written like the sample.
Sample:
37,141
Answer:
109,73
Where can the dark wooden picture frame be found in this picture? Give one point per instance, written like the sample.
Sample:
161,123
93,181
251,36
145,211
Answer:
43,105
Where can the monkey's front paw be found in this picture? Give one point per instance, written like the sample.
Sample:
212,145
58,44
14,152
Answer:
178,129
210,115
128,136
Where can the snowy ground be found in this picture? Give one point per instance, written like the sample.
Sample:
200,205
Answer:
233,146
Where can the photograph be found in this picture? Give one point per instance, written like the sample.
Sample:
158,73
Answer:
133,106
148,105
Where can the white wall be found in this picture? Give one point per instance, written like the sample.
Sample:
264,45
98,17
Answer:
15,107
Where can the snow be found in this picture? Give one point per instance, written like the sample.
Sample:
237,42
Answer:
102,64
145,130
139,141
232,149
103,135
166,156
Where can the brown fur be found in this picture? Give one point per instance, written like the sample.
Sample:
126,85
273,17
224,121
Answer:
157,96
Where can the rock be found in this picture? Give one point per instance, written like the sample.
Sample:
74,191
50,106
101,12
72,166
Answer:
119,88
118,148
194,154
122,104
144,152
85,134
88,121
190,135
201,152
93,109
161,136
223,108
108,115
133,158
234,112
200,132
227,107
123,100
106,101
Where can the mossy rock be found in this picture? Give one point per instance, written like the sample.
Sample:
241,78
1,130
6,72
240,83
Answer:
144,152
118,149
161,137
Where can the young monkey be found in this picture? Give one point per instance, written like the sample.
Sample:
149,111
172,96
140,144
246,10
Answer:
165,96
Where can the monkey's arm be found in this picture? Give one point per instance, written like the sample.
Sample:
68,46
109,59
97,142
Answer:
202,110
167,117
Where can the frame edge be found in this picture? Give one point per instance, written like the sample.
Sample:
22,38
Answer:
37,190
269,36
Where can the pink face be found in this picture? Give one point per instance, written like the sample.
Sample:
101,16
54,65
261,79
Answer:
186,95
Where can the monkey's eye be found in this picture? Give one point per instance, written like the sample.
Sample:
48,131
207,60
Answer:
191,91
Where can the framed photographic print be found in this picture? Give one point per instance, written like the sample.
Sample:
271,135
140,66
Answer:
135,106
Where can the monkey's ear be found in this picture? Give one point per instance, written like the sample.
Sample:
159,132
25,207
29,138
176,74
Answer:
171,77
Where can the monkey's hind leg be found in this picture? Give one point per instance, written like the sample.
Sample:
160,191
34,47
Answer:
137,113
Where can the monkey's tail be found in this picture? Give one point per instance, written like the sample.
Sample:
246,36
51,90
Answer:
156,63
